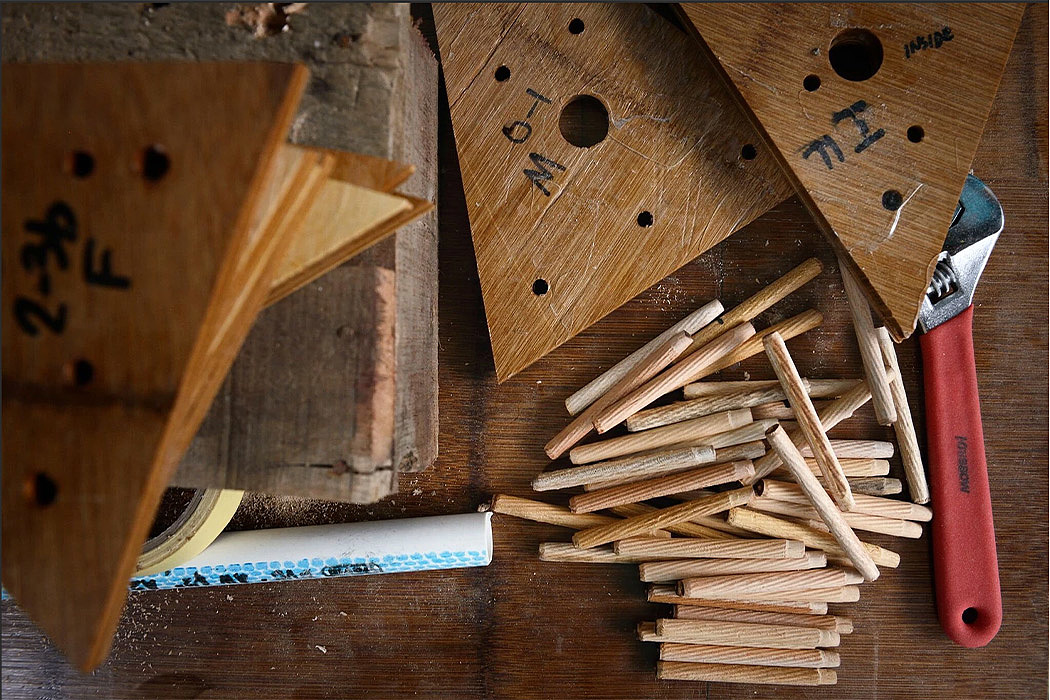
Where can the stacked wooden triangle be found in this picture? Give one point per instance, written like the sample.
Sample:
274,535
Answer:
151,210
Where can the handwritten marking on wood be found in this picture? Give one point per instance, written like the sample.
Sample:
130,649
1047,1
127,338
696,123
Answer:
178,249
568,223
874,112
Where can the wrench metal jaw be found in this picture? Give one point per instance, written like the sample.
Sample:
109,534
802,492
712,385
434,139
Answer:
974,231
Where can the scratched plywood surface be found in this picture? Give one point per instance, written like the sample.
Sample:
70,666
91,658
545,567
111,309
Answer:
849,143
127,288
565,234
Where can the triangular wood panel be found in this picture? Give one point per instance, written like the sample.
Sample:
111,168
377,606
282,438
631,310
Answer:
565,233
875,112
144,215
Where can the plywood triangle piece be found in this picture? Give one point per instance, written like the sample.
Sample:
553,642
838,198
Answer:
355,208
565,233
144,216
875,112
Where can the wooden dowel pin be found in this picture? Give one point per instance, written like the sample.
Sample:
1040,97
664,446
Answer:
651,365
808,422
659,519
728,673
661,486
787,658
870,353
842,625
692,431
675,569
704,406
818,388
903,426
678,375
637,466
663,593
751,307
680,548
744,634
598,386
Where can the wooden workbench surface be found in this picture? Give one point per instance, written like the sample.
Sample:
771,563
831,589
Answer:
522,628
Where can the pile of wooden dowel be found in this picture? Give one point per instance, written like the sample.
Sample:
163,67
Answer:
761,533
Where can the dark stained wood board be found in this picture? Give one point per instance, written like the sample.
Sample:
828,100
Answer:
567,224
521,628
866,108
140,246
301,397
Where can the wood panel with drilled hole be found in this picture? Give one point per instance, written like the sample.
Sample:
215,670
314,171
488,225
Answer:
599,154
145,215
865,107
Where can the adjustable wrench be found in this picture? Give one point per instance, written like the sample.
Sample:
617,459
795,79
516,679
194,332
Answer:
966,570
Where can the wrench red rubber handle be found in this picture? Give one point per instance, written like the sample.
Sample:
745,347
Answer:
966,570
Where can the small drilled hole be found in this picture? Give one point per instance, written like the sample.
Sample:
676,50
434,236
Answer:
892,200
81,163
645,219
748,152
155,163
916,133
502,74
576,26
856,54
969,615
43,490
79,372
584,121
811,82
540,287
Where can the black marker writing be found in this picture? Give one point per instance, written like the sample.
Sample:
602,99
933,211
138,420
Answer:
539,176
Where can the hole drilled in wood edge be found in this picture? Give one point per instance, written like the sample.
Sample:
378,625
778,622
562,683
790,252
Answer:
502,74
645,219
577,26
540,287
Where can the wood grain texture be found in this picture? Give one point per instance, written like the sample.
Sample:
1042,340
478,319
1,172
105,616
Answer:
101,404
673,151
476,632
767,51
284,421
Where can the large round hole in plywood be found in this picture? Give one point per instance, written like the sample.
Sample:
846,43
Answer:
584,121
855,54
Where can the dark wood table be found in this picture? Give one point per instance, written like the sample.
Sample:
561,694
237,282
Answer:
522,628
